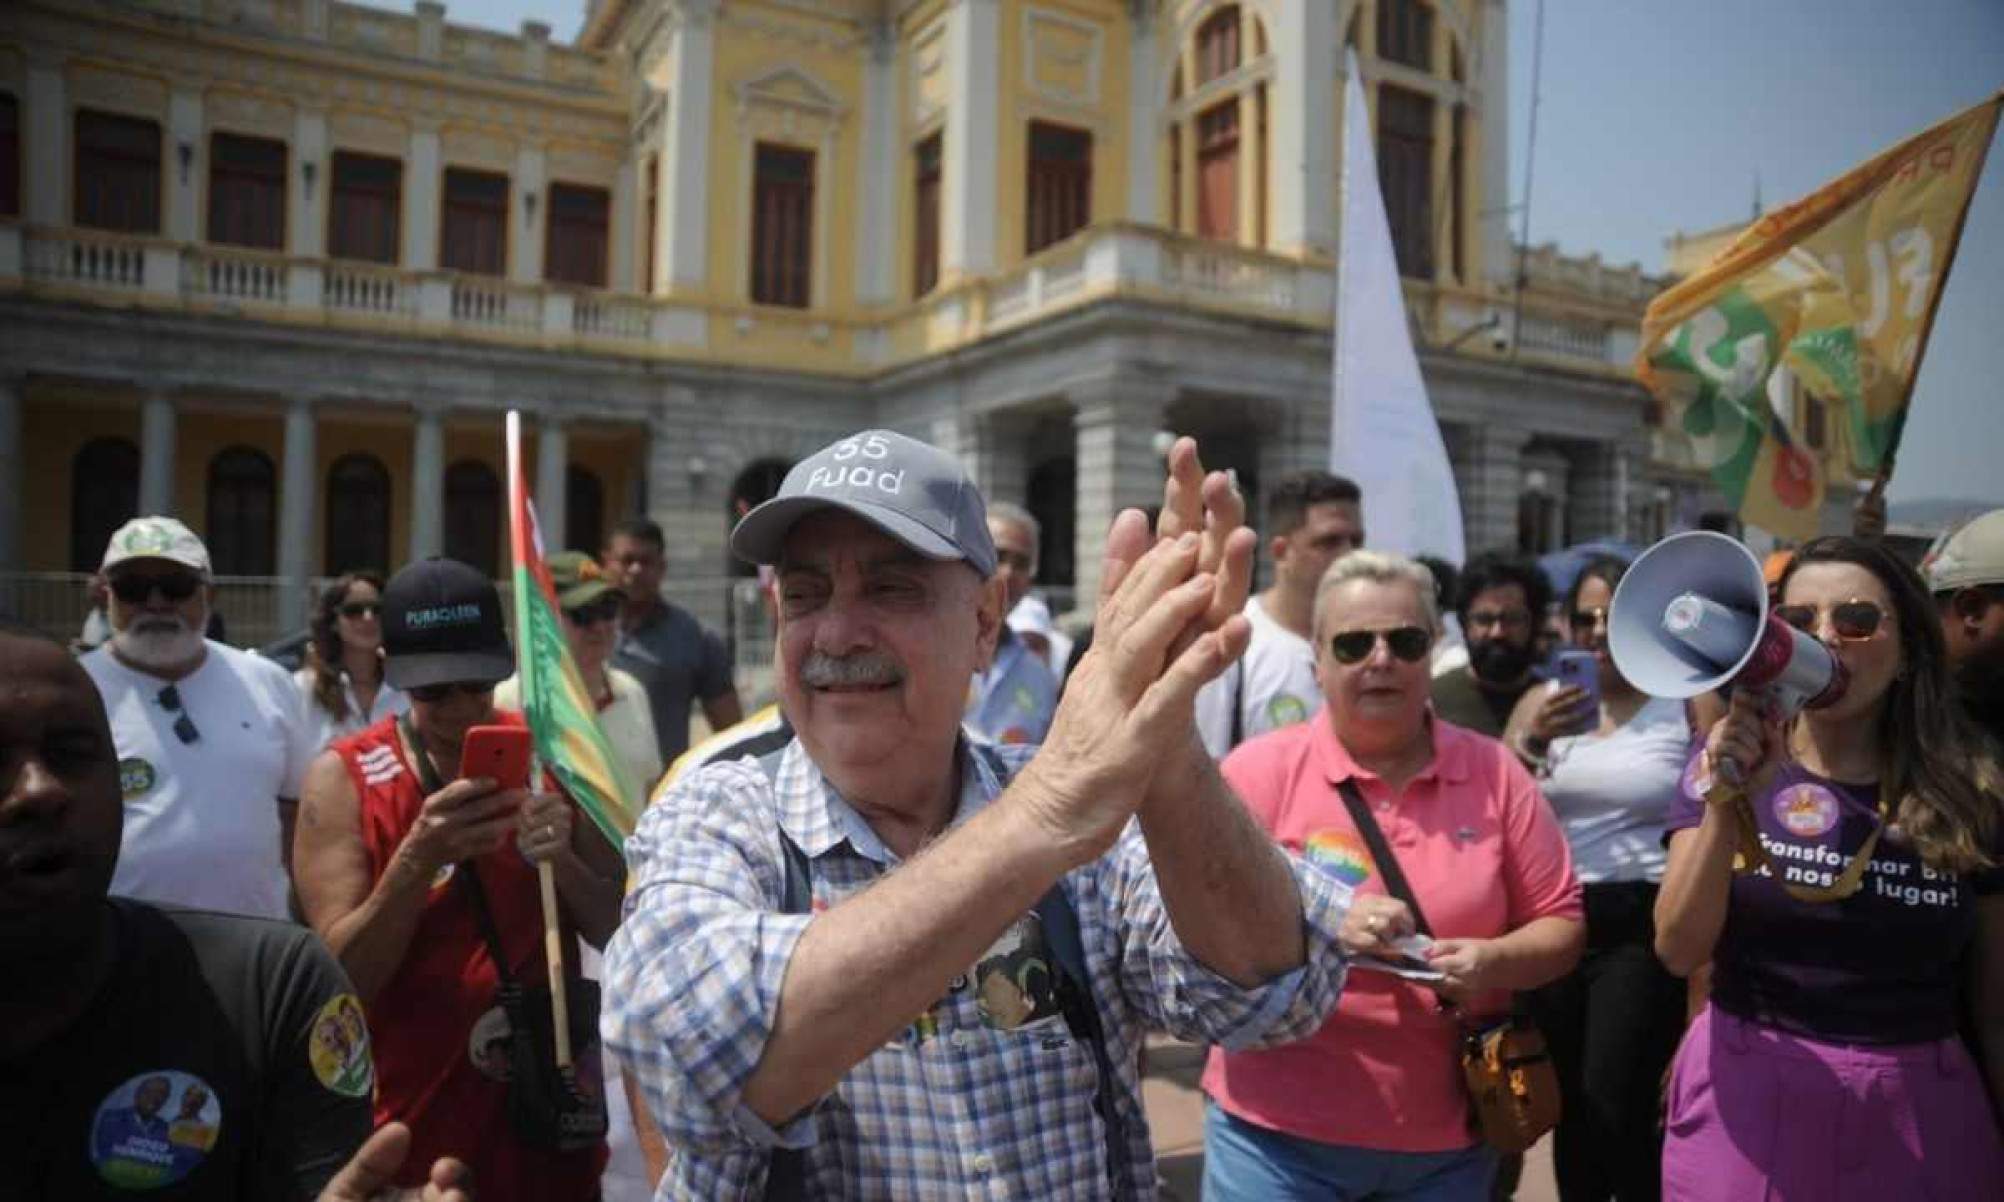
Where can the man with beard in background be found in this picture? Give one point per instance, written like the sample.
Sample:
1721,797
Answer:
1966,573
211,741
1501,602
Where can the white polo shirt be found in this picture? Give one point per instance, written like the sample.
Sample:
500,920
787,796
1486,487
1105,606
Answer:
1272,685
201,817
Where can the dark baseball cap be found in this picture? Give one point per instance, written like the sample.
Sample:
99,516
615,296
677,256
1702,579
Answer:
442,624
916,493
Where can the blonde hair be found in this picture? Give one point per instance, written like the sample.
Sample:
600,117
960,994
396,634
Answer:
1379,567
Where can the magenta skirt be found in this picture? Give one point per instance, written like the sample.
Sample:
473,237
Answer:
1760,1115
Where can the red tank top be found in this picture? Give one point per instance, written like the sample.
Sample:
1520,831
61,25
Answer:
439,1035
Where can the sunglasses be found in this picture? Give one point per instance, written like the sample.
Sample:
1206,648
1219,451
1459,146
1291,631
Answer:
184,726
605,609
360,609
432,694
1854,621
1409,643
135,588
1587,619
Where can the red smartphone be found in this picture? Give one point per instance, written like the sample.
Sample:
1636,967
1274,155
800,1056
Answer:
499,753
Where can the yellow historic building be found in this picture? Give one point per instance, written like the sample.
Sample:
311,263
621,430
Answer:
278,267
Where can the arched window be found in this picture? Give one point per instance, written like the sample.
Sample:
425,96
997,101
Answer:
104,495
473,515
242,524
1217,120
754,485
358,514
584,510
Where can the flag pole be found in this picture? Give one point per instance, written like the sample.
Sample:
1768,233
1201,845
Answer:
546,877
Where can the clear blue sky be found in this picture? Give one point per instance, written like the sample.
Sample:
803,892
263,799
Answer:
1656,116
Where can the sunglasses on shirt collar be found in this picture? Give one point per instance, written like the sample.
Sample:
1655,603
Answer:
184,726
1409,643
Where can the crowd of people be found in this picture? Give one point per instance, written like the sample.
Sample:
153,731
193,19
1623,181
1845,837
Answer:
904,933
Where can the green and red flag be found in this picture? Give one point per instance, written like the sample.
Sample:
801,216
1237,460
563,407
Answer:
562,717
1823,304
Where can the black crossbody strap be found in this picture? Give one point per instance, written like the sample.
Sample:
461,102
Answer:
1381,852
483,914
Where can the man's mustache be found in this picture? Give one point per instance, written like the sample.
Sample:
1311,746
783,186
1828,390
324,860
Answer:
822,671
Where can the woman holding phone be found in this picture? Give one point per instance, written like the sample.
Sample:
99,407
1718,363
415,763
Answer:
1829,1063
1608,760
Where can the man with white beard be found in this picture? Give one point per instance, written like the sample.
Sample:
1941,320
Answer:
212,741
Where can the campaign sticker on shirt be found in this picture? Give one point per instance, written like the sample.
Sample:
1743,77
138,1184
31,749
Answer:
135,777
1697,782
1286,710
487,1045
339,1048
154,1130
1807,811
443,876
1340,854
1014,983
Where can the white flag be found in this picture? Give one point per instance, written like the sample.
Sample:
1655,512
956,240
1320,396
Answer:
1382,431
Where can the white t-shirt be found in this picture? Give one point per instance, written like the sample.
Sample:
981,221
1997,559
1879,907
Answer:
322,727
1613,792
201,817
628,723
1273,683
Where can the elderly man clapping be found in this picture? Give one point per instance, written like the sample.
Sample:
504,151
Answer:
891,959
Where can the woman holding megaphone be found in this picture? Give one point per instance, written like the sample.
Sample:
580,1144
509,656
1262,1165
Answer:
1828,1064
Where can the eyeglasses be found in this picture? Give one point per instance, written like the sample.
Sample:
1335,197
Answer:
1409,643
1508,619
184,726
134,588
605,609
1587,619
1854,621
360,609
1013,559
432,694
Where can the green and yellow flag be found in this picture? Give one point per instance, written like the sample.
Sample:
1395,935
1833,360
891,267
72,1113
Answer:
1829,300
561,716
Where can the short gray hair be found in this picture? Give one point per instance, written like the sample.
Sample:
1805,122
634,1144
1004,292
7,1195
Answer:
1009,511
1380,567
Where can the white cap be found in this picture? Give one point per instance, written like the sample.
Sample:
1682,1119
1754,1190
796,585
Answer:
156,538
1971,555
1032,616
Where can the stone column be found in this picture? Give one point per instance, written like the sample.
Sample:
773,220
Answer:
421,198
1115,419
427,483
1144,117
298,493
990,448
1301,113
877,216
12,496
156,453
1491,105
180,215
46,122
531,199
553,456
682,258
967,180
1490,479
1595,491
624,267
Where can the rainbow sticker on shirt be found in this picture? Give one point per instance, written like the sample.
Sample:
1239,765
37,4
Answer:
1340,854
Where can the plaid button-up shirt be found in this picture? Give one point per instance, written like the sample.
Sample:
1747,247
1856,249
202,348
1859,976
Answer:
953,1107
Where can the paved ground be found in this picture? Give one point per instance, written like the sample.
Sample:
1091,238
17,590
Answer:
1176,1119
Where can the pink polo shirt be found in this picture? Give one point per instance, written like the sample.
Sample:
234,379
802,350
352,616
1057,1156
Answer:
1484,856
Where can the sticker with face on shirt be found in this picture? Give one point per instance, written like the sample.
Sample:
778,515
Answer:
1285,710
1015,981
1807,810
338,1047
154,1130
136,777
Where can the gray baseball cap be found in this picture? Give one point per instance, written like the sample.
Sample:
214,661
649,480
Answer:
917,494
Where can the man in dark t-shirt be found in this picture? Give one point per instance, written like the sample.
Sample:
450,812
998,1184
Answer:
186,1054
663,646
1500,602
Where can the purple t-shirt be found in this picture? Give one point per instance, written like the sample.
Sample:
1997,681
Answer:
1882,966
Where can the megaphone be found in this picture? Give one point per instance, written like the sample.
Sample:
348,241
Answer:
1691,614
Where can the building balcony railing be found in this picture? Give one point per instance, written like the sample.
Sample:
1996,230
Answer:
1111,261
